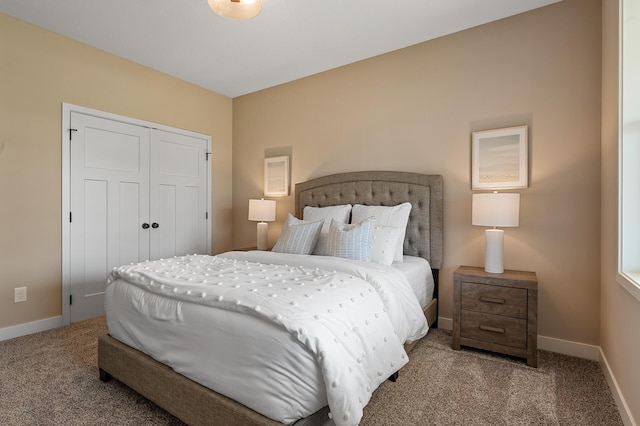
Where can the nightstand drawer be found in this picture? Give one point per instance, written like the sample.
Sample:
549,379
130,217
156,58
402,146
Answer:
496,312
491,299
494,328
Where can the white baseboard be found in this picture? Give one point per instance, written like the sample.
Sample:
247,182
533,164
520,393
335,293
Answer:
445,323
30,328
551,344
623,408
568,347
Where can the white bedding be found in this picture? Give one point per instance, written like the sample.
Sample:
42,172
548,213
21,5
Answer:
418,272
286,336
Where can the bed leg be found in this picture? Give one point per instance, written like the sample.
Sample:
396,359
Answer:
393,377
104,376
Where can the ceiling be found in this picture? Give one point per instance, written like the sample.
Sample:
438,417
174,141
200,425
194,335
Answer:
288,40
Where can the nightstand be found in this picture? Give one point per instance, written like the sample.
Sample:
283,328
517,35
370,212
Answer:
496,312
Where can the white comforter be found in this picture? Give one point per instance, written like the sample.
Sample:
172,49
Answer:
353,316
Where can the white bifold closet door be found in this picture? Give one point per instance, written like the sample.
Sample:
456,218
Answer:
177,195
136,194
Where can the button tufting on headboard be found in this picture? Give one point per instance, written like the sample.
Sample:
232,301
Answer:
382,188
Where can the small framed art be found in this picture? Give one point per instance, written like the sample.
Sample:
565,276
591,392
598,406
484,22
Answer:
276,176
499,159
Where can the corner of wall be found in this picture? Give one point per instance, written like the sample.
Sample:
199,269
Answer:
621,403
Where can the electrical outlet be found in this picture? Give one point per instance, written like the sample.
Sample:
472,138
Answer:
19,294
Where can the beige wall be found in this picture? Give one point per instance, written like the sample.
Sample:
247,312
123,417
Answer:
415,109
620,311
40,70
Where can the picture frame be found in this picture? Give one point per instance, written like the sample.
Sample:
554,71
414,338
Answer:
276,176
499,159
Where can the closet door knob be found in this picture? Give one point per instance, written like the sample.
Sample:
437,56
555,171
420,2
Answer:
154,225
145,226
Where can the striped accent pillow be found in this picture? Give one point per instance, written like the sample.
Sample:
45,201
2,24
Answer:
298,237
340,213
350,241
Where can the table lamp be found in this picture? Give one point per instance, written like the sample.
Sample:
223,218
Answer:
495,209
262,211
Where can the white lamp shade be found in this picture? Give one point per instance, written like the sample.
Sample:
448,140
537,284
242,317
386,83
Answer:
262,210
496,209
236,9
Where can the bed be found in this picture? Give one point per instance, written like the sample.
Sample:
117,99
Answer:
123,353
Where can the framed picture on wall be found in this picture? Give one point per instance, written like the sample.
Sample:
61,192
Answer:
499,158
276,176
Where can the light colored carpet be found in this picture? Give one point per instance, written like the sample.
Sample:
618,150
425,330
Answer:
51,378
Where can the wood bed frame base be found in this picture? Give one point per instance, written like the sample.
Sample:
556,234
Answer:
189,401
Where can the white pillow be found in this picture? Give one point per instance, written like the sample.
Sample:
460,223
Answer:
396,216
338,213
350,241
298,237
385,243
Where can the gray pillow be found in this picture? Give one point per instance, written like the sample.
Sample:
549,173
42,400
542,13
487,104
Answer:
298,236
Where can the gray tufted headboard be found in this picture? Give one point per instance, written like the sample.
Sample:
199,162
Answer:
386,188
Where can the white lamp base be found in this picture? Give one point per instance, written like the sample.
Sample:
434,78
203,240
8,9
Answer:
493,251
263,228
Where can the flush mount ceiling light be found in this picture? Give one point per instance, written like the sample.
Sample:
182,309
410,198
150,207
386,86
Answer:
236,9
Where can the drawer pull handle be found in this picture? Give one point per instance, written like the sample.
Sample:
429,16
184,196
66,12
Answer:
492,300
492,329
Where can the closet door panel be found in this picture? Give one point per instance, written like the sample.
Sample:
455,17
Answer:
178,185
109,163
164,237
131,249
96,239
192,215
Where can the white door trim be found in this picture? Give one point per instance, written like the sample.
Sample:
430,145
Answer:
67,109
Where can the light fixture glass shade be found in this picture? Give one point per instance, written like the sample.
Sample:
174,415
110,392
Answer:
236,9
262,210
496,209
